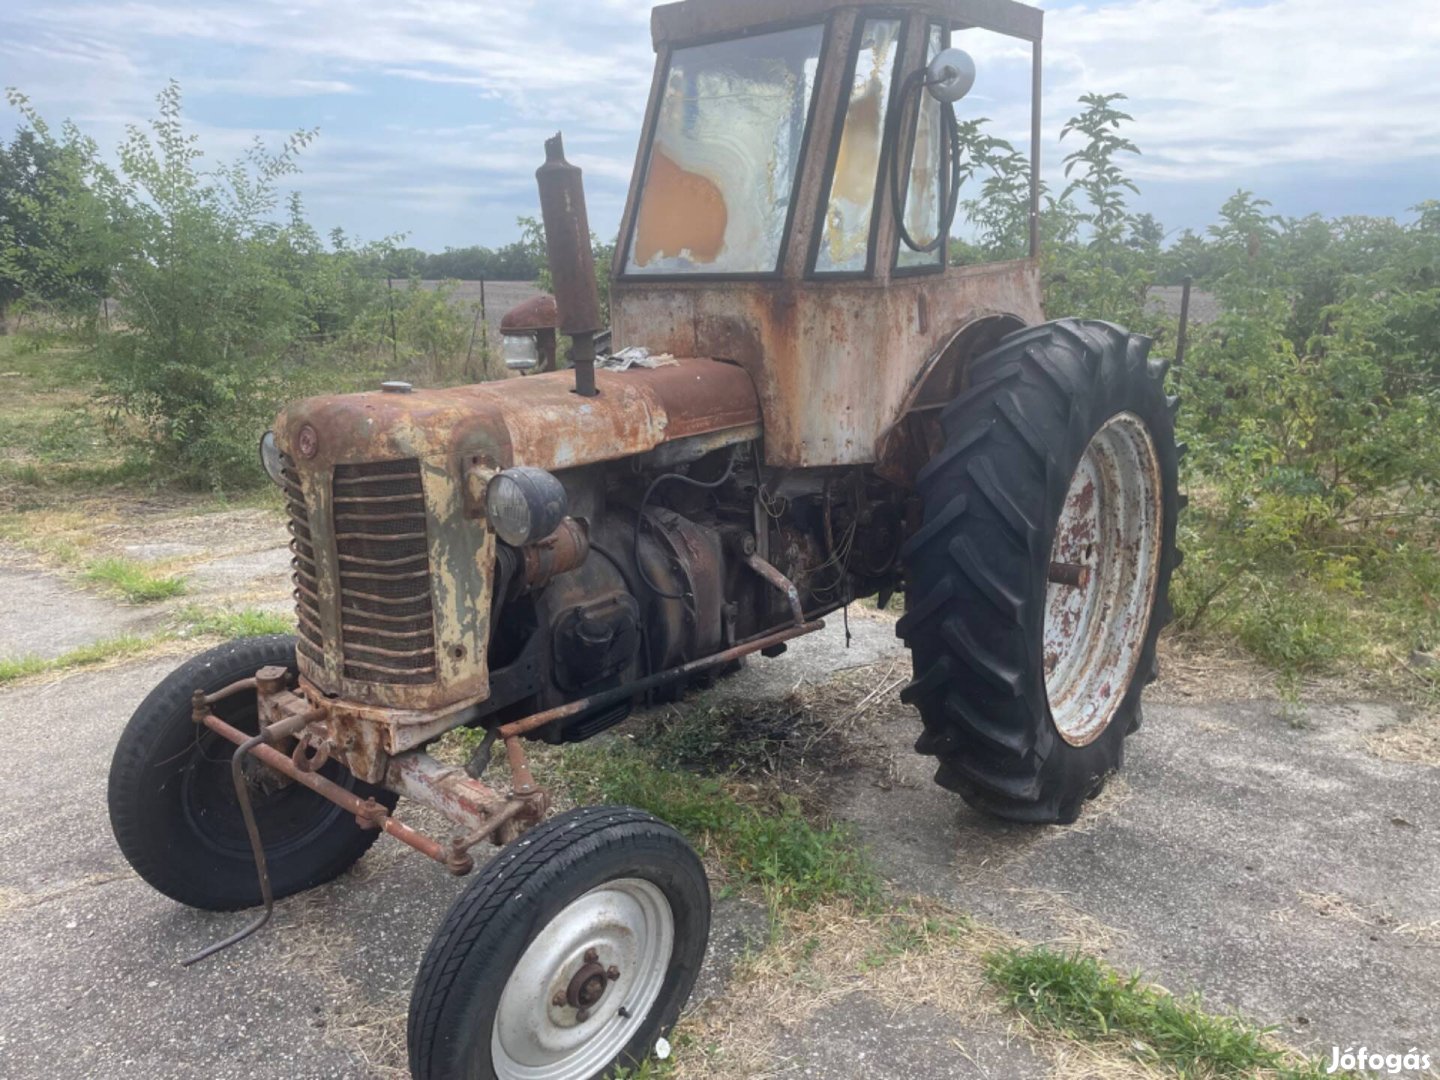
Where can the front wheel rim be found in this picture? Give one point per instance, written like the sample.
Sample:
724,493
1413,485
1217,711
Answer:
625,926
1104,571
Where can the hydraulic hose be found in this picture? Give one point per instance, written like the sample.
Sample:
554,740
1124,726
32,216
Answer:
950,167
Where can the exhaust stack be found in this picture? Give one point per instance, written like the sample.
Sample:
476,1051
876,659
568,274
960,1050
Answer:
572,264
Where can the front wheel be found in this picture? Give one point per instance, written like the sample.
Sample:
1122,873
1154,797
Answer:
571,953
1037,584
173,806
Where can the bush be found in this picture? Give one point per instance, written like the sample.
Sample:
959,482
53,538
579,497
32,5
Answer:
229,302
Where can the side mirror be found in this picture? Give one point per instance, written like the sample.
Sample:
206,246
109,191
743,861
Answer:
950,76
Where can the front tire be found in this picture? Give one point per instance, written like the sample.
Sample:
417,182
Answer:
172,802
571,953
1061,457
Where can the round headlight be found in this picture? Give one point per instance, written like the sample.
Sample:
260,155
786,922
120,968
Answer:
270,457
525,504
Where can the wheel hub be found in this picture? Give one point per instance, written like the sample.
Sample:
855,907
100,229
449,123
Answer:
587,987
1104,568
571,1003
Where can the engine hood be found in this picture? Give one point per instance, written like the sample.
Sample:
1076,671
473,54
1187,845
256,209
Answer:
537,420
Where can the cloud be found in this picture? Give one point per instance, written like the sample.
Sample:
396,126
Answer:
1218,88
432,111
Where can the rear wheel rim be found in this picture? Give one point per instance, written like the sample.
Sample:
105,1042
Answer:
626,924
1110,528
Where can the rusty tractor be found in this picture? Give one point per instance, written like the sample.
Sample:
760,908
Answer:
808,404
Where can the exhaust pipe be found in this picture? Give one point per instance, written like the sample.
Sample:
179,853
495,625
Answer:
572,263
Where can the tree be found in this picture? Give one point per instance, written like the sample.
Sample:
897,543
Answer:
213,302
55,224
1100,275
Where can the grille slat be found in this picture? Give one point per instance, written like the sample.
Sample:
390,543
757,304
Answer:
409,673
307,608
407,560
388,619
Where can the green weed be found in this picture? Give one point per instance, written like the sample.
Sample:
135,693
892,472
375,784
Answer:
1335,599
1078,996
133,580
247,622
100,652
189,623
794,862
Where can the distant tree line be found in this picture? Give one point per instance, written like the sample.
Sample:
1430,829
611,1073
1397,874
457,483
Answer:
521,260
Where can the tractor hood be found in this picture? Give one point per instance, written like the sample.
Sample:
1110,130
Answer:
537,420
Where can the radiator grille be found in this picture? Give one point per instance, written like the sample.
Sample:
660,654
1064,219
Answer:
387,624
307,604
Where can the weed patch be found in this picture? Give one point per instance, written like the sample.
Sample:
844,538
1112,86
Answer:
116,648
774,846
1079,997
191,623
133,580
1361,597
200,621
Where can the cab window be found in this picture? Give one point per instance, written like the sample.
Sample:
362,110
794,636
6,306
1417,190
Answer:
845,235
725,154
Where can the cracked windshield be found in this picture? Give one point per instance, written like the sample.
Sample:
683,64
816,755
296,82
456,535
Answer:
726,151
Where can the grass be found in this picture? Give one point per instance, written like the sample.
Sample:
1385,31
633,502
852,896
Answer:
910,933
51,434
247,622
133,580
100,652
1081,998
774,846
190,623
1309,600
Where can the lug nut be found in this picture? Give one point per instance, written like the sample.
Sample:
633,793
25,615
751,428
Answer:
591,956
558,1000
612,973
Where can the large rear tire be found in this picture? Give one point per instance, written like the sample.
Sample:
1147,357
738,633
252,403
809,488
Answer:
1059,462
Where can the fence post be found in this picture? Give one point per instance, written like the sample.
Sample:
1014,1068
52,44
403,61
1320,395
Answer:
1180,340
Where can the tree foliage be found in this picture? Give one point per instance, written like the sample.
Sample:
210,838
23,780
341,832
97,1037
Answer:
56,220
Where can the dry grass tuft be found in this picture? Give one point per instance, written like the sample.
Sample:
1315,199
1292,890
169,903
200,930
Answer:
1412,742
1067,926
1369,917
309,940
919,953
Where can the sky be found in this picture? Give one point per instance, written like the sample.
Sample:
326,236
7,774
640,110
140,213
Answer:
432,113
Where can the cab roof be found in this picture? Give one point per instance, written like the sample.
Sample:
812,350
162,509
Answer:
698,20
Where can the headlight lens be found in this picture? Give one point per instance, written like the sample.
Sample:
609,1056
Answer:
270,457
525,504
521,352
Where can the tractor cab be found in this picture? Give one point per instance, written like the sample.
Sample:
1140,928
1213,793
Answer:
791,205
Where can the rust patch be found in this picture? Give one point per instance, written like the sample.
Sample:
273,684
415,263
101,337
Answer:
533,421
835,363
537,313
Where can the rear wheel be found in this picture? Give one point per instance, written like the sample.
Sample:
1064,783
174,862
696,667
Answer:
1037,585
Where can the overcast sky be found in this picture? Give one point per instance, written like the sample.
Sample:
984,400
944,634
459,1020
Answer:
432,112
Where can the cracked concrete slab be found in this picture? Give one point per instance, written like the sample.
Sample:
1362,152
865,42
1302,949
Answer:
1280,870
45,616
855,1036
